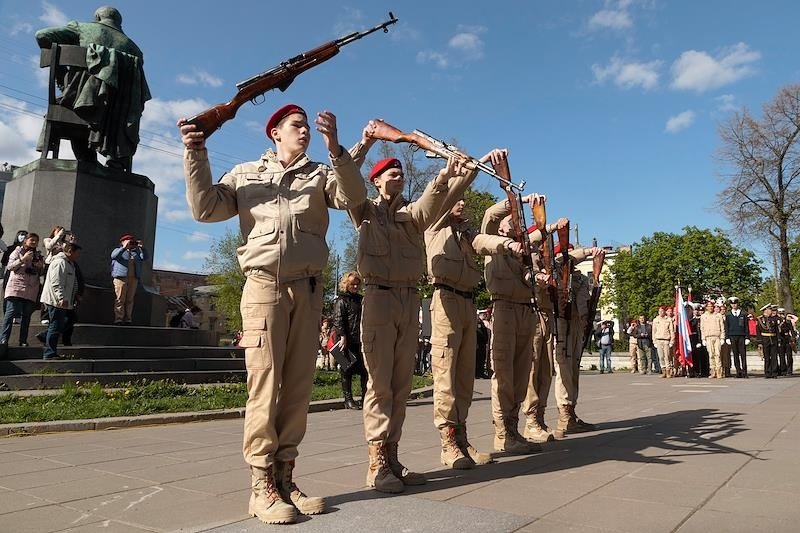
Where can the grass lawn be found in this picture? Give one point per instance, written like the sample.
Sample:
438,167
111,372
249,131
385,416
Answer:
92,401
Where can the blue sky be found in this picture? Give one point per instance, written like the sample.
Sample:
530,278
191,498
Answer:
610,107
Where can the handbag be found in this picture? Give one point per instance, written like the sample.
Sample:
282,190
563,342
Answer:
344,358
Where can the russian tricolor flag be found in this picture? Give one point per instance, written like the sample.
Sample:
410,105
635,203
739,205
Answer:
684,330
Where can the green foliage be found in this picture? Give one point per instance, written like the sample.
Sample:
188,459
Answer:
704,259
226,273
477,202
148,397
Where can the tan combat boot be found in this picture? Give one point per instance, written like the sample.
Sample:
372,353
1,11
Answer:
452,455
266,503
290,493
506,440
401,472
663,372
479,458
536,430
379,475
563,421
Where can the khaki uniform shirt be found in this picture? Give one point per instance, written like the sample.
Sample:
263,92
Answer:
712,325
282,212
663,329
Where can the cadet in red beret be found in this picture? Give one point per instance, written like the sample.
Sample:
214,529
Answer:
282,201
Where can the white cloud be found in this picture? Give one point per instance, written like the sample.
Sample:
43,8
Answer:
199,236
169,265
466,45
352,19
165,113
52,16
195,255
20,125
200,77
20,27
698,71
726,102
627,75
612,19
174,215
679,122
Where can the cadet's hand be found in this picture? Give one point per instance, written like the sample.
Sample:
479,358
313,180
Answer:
727,341
703,343
698,345
366,135
190,137
450,169
562,223
542,278
746,342
595,250
672,345
496,156
326,125
534,199
516,248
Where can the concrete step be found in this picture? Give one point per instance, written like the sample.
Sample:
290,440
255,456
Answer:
108,335
128,352
103,366
54,381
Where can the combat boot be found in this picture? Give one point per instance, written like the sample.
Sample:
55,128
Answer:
584,426
379,475
266,503
290,493
536,430
452,455
569,423
505,440
663,372
401,472
479,458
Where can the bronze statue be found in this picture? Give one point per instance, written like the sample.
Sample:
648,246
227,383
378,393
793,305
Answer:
109,94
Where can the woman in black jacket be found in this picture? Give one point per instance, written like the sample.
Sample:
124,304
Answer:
347,324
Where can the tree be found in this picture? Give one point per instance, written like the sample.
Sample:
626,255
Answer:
762,161
706,260
226,273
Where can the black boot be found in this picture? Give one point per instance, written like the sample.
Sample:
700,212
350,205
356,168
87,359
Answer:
347,392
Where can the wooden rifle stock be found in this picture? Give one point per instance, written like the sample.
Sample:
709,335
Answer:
597,287
566,278
279,77
548,258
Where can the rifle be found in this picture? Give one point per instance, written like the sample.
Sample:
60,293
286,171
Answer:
597,287
435,148
549,259
566,279
279,77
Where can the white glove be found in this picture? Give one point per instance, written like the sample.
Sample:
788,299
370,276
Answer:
698,345
746,342
727,341
704,343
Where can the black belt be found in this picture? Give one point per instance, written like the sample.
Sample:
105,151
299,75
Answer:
463,294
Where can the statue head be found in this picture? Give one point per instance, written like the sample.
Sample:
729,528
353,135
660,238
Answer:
109,16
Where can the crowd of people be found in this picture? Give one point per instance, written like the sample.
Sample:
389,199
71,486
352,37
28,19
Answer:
52,283
282,199
720,332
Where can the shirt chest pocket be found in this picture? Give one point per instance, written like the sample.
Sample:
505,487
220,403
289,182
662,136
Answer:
260,188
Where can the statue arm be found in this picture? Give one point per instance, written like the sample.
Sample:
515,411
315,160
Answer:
62,35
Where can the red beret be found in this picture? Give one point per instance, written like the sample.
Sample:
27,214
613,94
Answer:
383,165
557,248
532,229
280,114
126,237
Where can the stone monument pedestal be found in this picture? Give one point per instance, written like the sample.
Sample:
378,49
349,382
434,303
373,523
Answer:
99,205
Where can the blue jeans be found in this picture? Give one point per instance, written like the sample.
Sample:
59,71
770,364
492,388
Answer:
16,308
605,355
58,320
656,364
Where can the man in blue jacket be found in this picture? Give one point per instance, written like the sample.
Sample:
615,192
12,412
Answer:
126,271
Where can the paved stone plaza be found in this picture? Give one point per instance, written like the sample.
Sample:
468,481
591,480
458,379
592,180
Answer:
670,455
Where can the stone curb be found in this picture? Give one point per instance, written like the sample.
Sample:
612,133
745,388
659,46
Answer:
119,422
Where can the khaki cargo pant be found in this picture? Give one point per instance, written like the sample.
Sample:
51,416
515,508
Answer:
664,356
568,369
280,336
633,352
541,375
714,356
389,340
453,345
124,295
512,358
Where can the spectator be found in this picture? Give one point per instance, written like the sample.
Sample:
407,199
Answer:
126,269
18,240
3,247
347,325
72,314
59,292
188,320
482,346
633,346
644,334
53,245
25,265
606,343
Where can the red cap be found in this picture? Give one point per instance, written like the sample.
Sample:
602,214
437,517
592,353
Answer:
532,229
383,165
280,114
557,248
126,237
